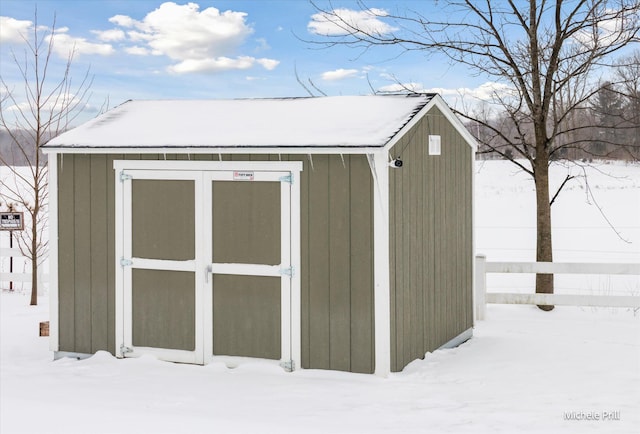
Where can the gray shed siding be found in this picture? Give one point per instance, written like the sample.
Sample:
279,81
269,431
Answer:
431,247
337,256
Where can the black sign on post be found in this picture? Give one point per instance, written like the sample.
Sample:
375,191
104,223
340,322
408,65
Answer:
11,221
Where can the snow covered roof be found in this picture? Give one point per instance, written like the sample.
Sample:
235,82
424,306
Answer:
338,121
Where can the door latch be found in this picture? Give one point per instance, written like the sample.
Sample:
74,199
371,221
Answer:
207,273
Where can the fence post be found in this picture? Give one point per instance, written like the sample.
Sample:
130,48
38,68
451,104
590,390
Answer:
481,286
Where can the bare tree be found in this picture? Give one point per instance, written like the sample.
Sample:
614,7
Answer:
547,53
39,110
628,74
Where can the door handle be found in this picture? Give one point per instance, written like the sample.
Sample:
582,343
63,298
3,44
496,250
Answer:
207,273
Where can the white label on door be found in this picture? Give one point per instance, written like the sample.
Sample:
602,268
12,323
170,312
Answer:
242,176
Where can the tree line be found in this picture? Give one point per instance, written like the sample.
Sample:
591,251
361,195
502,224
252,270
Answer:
605,125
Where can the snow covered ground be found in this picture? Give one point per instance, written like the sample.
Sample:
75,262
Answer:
595,219
527,371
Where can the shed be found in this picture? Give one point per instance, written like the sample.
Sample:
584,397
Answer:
323,233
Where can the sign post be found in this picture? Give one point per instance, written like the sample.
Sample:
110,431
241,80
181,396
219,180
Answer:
11,221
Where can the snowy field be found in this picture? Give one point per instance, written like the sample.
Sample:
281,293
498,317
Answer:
572,370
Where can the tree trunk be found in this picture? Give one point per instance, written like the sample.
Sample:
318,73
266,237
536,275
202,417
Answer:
544,250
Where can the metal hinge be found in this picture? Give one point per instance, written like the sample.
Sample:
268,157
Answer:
125,262
287,178
125,176
124,349
287,271
288,365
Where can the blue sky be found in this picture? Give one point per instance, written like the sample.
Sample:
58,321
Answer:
149,49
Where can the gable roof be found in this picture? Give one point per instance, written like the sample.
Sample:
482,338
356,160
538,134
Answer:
320,122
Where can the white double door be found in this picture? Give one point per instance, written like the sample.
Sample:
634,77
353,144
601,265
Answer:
207,255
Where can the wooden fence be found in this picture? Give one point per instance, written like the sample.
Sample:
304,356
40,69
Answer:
7,278
482,297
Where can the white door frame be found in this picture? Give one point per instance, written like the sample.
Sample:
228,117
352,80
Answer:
203,173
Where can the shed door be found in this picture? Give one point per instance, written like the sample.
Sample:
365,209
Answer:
162,290
250,264
206,265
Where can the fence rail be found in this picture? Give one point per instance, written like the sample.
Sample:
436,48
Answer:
482,297
16,277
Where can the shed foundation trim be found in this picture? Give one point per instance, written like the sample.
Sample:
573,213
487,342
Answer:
458,340
57,355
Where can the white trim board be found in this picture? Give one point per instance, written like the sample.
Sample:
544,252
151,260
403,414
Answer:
277,166
215,151
54,335
381,280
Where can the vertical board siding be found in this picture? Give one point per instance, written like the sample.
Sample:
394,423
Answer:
318,250
99,240
339,272
82,231
361,265
431,241
66,254
85,253
336,263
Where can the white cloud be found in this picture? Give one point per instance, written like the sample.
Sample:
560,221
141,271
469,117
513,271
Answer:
199,41
344,21
607,31
122,20
268,64
135,36
113,35
219,64
262,44
402,87
52,105
12,30
137,51
488,91
339,74
489,94
64,45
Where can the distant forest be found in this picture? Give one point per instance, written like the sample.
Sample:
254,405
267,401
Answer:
13,155
607,126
